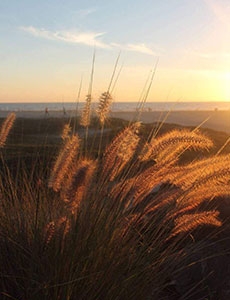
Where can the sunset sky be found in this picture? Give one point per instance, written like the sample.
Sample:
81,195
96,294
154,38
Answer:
46,48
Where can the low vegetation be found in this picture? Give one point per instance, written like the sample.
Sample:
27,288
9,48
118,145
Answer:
108,222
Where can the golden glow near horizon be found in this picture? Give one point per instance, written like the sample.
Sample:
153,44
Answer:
168,85
44,58
227,86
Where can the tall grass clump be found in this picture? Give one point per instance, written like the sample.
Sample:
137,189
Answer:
113,226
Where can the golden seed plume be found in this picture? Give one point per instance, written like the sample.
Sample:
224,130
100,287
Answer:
213,170
49,233
103,107
64,162
189,222
79,183
66,132
171,144
86,113
120,151
6,127
195,197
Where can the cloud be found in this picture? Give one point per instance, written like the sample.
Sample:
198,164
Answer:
85,12
93,39
141,48
74,37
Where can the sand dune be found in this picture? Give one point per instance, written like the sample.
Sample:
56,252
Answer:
217,120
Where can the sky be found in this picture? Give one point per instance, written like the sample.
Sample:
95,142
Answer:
47,47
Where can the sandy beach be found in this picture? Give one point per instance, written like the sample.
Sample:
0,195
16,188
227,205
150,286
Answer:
217,120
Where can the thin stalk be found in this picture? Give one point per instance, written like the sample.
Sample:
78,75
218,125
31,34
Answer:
100,142
222,148
90,93
144,94
77,105
116,79
114,72
108,92
148,91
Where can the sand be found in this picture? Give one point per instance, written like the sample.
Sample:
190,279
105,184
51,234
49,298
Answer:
217,120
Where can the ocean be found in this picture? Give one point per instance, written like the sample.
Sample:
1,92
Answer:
118,106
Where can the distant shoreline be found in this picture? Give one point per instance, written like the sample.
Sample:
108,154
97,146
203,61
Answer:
218,120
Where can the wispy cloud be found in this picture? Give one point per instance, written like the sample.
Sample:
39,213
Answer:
75,37
88,38
84,12
141,48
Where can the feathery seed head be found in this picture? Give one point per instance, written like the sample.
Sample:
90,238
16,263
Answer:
6,127
103,107
79,184
85,116
64,162
66,132
120,151
173,143
189,222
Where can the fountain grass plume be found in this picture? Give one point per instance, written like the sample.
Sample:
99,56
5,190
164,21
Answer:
6,127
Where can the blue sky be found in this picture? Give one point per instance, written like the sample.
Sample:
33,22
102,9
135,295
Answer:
46,47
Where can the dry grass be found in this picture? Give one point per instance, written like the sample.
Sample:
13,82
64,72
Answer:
111,227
